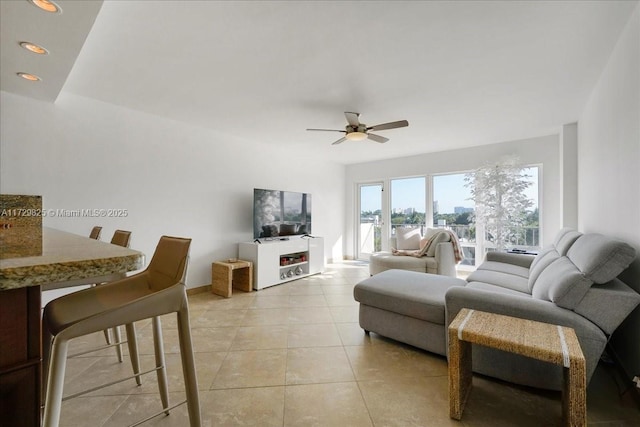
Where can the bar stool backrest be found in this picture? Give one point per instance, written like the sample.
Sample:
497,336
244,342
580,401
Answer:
121,238
169,263
95,233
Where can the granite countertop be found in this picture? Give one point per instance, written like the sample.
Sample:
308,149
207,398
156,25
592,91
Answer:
67,257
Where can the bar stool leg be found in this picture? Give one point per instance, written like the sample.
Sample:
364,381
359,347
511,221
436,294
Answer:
118,339
189,367
132,343
107,336
160,363
55,382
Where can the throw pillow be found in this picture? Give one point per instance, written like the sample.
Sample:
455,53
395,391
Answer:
430,232
408,238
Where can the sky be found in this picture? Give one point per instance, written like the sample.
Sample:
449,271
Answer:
449,192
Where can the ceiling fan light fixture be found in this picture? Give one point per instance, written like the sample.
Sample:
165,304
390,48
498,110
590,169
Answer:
32,47
46,5
356,136
30,77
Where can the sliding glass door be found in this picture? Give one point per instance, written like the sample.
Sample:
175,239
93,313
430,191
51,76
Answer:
371,222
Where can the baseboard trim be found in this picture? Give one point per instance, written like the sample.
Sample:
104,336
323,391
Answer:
199,289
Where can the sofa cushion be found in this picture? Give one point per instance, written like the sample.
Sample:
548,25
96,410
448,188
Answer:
565,239
510,258
542,261
408,238
501,277
562,283
560,234
541,254
498,289
417,295
430,232
381,261
601,258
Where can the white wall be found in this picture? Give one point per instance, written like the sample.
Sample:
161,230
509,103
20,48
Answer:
542,150
609,168
172,178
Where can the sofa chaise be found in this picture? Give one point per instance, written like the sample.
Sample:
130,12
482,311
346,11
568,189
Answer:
572,282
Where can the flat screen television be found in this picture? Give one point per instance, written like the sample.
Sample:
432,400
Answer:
280,213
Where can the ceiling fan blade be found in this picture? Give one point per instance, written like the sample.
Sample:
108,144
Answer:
377,138
352,118
391,125
340,141
329,130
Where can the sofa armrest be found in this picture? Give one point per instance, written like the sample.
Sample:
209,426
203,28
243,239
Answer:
446,259
493,362
393,243
508,258
523,307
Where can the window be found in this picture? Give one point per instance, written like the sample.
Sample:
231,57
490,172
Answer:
370,229
454,209
408,203
405,205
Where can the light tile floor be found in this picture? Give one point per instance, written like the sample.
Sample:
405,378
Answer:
294,355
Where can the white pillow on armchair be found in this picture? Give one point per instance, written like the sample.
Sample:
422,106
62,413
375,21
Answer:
408,238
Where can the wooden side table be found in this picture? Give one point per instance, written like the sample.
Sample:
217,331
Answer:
223,277
542,341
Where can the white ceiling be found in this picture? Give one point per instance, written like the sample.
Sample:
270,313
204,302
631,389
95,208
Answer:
462,73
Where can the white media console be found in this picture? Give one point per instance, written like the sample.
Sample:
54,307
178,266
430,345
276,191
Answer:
278,260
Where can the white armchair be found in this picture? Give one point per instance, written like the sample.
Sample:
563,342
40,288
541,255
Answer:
438,259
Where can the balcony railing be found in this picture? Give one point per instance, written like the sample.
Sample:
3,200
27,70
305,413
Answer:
527,237
524,237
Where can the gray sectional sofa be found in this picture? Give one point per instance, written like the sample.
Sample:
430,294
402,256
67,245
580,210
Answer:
572,282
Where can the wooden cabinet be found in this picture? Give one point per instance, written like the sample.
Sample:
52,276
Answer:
20,357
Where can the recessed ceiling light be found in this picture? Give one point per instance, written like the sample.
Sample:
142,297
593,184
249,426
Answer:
46,5
30,77
31,47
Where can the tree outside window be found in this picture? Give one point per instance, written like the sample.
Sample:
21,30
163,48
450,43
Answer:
501,202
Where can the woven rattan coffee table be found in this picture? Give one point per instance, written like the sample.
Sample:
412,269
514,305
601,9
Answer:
542,341
223,277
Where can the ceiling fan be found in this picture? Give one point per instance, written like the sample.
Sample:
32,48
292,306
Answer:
356,131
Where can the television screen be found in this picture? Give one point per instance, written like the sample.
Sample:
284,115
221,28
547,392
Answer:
280,213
